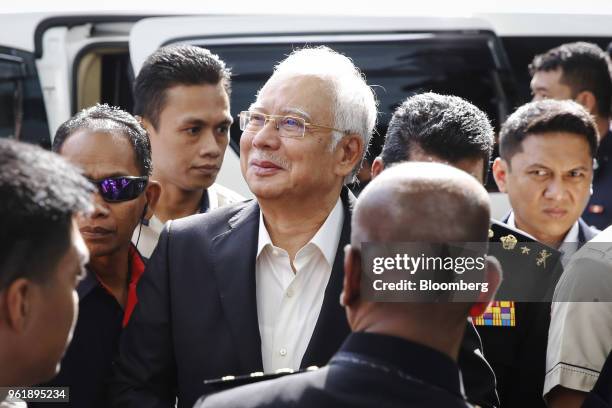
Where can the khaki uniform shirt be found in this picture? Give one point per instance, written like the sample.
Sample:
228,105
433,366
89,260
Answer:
580,333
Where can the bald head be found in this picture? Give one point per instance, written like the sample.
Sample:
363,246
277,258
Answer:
417,202
421,202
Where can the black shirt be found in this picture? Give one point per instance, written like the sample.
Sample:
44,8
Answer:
87,366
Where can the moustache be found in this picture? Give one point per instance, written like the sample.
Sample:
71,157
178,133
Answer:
279,161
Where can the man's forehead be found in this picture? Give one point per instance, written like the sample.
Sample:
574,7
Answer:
298,95
102,155
552,150
547,79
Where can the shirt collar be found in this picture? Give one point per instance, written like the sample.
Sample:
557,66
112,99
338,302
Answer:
416,360
570,237
90,281
205,202
326,238
209,201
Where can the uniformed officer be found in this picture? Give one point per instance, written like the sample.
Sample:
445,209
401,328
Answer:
545,166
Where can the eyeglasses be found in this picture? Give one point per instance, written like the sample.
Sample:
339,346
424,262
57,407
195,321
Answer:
287,126
121,188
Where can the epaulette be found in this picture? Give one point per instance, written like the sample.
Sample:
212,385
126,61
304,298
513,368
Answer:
529,267
231,381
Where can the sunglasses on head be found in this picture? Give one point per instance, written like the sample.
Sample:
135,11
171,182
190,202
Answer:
120,188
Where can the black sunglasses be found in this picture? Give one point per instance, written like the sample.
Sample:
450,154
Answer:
120,188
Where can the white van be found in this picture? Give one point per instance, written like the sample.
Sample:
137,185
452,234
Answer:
66,63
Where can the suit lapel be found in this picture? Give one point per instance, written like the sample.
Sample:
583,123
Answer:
234,254
332,327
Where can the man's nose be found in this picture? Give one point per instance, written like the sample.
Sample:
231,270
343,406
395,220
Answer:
209,145
555,189
101,208
268,136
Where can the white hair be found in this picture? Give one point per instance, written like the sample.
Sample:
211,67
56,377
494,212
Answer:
354,102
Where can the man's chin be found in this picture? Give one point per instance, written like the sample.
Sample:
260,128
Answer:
265,192
99,250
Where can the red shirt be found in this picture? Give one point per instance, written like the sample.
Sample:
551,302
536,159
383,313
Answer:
137,268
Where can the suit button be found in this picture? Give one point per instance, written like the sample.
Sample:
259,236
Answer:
289,292
283,352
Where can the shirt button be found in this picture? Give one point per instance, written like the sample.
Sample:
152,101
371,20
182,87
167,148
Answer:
289,292
283,352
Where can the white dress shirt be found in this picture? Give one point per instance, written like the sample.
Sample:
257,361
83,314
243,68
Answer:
288,303
145,236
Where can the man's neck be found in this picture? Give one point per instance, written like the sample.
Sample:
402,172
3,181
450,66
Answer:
175,202
112,270
426,332
291,225
553,241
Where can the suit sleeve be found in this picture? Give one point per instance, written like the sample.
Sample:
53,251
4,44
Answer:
144,372
478,376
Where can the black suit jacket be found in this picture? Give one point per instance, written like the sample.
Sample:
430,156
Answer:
369,370
196,317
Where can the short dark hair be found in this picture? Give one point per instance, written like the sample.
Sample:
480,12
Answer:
585,67
443,125
542,117
40,192
175,65
112,120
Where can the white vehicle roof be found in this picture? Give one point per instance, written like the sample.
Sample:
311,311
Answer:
150,34
550,24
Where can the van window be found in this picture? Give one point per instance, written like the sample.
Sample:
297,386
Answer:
22,110
102,74
459,64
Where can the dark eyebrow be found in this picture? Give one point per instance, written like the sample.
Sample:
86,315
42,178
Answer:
579,168
538,165
199,122
192,122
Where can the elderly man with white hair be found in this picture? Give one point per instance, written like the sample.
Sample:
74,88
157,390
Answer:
254,287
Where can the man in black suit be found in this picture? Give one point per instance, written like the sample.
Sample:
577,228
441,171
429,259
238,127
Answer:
400,354
254,286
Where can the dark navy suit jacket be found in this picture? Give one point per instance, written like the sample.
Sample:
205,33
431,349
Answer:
369,370
196,317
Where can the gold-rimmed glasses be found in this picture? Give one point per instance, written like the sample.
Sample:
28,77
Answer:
287,126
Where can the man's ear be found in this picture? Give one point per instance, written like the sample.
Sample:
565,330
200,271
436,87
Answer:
493,277
349,152
588,100
352,276
500,172
152,193
16,304
377,166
